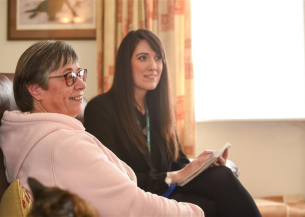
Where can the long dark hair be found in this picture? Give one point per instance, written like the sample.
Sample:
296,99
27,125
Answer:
158,100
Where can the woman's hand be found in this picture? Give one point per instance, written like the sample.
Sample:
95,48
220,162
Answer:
197,163
221,160
191,167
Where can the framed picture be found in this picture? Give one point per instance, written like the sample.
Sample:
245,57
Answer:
51,19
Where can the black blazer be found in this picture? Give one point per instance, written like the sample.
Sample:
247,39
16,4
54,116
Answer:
102,122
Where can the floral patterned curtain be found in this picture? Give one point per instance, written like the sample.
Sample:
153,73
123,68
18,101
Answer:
170,20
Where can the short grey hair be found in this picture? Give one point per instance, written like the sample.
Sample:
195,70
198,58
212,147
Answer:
35,65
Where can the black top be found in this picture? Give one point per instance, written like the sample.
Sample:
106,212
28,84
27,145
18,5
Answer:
102,122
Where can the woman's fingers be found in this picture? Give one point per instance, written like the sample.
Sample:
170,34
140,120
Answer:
222,161
225,154
215,163
202,158
219,162
205,152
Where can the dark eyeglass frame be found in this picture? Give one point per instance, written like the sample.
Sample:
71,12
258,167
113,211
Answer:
82,74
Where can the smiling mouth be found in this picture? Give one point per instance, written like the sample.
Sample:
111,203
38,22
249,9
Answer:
150,76
76,98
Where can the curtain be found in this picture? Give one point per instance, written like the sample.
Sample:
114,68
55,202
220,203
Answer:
170,20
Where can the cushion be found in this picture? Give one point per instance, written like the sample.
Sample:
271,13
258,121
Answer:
15,201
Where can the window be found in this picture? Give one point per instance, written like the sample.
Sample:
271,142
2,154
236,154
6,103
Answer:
248,59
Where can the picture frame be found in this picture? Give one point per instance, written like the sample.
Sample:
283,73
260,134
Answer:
47,19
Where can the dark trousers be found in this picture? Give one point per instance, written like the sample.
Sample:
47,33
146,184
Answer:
219,193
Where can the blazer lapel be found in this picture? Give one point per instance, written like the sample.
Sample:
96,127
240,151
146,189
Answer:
147,159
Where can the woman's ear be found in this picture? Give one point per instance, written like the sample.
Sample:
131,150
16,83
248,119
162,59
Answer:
35,90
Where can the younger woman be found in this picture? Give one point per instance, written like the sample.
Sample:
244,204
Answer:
135,120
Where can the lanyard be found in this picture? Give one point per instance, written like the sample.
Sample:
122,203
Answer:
147,126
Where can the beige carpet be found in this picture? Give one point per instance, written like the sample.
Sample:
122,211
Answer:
282,206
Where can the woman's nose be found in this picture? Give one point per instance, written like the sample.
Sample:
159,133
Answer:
80,84
153,65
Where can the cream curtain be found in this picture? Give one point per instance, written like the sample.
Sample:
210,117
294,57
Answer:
170,20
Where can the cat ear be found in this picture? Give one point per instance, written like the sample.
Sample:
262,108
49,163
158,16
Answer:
35,186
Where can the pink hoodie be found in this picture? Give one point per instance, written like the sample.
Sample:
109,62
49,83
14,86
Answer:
56,150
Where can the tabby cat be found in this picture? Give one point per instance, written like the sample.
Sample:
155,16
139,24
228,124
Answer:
57,203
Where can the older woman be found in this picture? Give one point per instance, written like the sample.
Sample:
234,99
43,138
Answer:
46,142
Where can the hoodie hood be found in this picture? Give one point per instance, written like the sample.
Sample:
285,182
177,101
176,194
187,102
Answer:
20,132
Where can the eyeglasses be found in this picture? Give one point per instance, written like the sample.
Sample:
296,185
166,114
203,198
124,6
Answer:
70,77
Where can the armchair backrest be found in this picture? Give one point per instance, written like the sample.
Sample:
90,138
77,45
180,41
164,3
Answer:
7,102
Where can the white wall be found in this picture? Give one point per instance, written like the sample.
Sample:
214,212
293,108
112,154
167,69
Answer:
10,51
269,154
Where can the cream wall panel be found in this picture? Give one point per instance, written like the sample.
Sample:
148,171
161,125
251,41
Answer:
270,154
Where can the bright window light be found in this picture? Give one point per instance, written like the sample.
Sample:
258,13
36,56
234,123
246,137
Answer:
248,59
